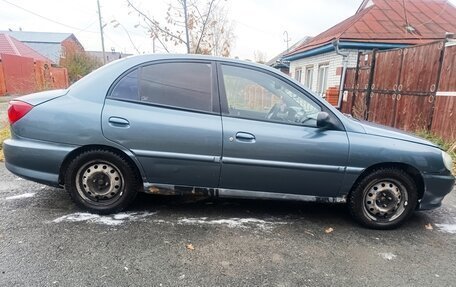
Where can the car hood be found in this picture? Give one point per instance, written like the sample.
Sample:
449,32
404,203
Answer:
384,131
41,97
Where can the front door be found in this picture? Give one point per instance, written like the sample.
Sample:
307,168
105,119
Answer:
167,114
270,139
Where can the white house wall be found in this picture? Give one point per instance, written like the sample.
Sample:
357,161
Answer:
332,58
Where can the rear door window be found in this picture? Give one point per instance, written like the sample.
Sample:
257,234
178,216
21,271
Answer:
127,87
183,85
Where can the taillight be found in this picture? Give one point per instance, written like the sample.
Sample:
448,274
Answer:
17,110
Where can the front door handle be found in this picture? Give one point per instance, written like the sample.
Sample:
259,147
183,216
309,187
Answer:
119,122
245,137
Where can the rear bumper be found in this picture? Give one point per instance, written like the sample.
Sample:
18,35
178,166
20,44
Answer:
436,187
35,160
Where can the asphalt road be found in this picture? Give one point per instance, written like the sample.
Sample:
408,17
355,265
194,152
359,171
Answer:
46,241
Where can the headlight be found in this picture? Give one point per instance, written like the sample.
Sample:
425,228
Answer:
447,160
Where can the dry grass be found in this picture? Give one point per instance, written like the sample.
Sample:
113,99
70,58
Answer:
449,147
4,134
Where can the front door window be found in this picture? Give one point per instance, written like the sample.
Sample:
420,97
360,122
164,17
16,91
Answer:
259,96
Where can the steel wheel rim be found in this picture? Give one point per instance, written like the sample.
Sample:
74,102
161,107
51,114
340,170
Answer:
100,182
385,200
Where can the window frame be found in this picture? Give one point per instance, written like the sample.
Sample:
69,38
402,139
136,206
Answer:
298,69
320,66
306,79
215,110
224,99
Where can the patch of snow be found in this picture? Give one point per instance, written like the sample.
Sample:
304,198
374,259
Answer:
115,219
388,255
20,196
76,217
231,222
448,228
120,216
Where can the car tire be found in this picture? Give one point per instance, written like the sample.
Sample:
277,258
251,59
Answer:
383,199
101,181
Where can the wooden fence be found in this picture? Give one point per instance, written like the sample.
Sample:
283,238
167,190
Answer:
22,75
411,88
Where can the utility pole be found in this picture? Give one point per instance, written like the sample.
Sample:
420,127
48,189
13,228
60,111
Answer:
153,44
186,25
101,32
286,39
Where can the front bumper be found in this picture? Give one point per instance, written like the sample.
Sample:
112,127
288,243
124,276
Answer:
38,161
436,187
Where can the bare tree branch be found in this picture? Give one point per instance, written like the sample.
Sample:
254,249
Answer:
154,23
210,31
204,26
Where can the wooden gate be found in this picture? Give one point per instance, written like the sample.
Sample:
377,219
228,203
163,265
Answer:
398,87
444,114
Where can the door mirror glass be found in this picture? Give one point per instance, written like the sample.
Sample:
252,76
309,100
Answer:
323,120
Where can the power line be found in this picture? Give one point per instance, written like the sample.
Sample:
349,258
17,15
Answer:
48,19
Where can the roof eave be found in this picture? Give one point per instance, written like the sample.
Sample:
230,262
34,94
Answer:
342,45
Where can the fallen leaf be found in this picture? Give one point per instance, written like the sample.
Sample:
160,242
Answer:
428,226
189,246
329,230
308,232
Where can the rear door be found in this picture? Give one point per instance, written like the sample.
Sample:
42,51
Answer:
270,138
168,115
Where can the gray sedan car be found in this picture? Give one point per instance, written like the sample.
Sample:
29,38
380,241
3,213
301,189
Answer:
205,125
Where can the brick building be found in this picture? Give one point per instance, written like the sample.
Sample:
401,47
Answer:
377,24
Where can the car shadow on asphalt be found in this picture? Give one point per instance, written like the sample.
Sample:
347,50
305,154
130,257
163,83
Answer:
310,214
324,214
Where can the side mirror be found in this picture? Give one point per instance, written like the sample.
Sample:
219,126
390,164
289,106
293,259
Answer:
323,120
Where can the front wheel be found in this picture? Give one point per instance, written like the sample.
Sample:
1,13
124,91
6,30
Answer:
383,199
101,181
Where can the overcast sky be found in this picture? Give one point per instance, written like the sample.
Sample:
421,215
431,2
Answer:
259,24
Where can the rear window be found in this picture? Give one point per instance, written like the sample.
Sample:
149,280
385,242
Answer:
183,85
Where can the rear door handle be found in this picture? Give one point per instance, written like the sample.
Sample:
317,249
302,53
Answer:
118,122
245,137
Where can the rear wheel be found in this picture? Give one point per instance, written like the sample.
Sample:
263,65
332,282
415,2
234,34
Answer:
101,181
383,199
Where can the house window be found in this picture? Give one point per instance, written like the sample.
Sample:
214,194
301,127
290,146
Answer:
298,74
322,84
309,77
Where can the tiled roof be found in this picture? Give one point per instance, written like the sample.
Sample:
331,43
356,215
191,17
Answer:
9,45
391,21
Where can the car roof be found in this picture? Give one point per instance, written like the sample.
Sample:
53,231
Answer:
156,57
